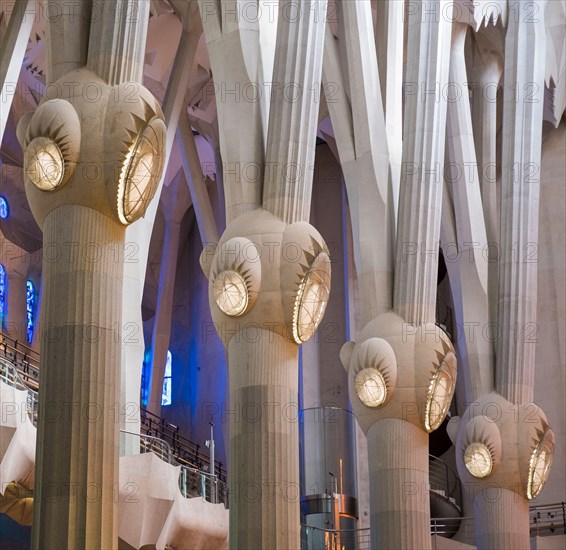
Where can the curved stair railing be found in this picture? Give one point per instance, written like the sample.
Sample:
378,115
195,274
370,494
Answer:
444,481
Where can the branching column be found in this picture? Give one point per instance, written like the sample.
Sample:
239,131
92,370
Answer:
504,441
269,280
91,169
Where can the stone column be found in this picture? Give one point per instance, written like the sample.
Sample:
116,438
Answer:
389,28
427,71
77,459
91,169
500,516
506,517
264,389
269,280
523,104
398,473
485,138
394,371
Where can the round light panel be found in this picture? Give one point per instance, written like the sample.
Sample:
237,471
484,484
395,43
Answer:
44,164
440,392
539,464
231,293
311,299
141,172
478,460
370,387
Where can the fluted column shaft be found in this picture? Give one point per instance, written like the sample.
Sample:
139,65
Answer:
523,98
485,137
502,520
294,111
399,485
118,52
389,44
264,442
75,503
162,325
420,200
67,35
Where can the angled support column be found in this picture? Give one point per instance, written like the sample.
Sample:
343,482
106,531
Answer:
462,173
360,130
196,182
12,52
175,201
389,30
488,70
233,46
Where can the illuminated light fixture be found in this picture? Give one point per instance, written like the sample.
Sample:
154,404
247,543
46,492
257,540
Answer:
478,460
141,171
370,387
4,208
539,464
231,293
312,298
44,164
440,392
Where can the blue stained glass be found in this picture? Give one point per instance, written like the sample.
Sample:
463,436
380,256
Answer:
166,394
2,294
4,208
30,299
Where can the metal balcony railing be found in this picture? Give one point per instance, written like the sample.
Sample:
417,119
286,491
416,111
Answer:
186,452
192,481
460,529
196,483
25,361
548,519
10,375
332,539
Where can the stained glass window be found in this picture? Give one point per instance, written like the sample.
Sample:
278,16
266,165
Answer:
30,308
166,395
2,295
4,208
